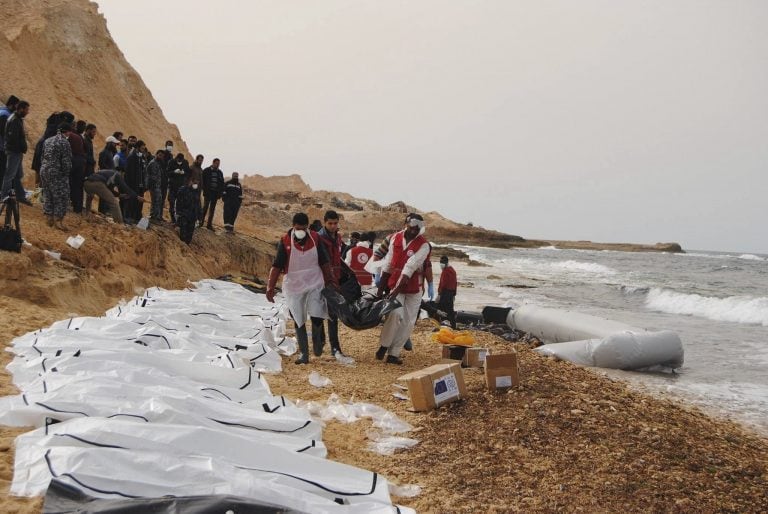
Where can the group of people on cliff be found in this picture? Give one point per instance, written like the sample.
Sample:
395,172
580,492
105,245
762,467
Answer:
70,174
311,260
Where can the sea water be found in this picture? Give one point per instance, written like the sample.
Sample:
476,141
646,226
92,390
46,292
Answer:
717,303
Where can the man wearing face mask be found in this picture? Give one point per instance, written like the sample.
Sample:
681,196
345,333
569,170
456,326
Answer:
187,208
446,290
176,172
401,274
164,177
304,261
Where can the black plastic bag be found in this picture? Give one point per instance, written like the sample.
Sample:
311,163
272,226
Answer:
364,313
63,498
10,235
350,287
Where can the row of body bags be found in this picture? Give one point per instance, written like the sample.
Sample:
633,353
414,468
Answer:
166,395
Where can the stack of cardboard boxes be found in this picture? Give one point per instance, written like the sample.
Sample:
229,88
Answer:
444,383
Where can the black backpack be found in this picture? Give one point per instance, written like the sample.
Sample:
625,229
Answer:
10,237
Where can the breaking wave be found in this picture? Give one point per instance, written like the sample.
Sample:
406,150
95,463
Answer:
751,257
736,309
584,267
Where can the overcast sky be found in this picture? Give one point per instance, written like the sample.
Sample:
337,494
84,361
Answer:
640,121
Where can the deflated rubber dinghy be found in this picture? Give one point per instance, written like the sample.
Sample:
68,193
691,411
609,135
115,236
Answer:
593,341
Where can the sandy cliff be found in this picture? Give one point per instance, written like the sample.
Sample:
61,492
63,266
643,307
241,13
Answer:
59,55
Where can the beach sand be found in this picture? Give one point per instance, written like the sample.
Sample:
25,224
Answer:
566,439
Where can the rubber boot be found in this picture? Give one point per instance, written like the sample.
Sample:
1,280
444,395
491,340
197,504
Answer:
301,337
318,336
333,336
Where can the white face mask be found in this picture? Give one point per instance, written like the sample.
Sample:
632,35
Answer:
443,265
169,148
300,234
194,186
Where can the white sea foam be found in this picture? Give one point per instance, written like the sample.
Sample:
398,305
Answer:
737,309
705,255
550,247
744,256
525,265
586,267
751,257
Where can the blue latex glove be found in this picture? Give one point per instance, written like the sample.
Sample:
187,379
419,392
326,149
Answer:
431,290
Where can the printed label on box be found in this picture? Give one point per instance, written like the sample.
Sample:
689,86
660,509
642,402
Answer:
504,381
446,388
481,355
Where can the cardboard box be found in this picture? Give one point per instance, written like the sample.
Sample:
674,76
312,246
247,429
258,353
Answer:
475,357
434,386
501,371
469,357
454,352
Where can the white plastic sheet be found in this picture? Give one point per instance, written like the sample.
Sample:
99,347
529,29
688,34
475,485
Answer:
75,241
385,444
317,380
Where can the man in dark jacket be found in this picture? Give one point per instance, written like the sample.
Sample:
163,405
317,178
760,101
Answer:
107,155
155,172
15,147
334,247
176,171
164,179
107,162
77,172
187,208
233,197
5,113
213,186
134,177
90,160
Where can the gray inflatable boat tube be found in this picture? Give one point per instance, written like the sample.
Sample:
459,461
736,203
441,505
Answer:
592,341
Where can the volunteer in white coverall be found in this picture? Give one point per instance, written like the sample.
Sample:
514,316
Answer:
402,277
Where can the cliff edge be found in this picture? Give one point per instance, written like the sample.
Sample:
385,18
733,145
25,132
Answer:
58,55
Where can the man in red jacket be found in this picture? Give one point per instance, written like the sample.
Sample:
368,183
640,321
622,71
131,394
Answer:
446,291
334,247
402,276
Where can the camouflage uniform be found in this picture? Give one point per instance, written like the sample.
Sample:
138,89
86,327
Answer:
54,175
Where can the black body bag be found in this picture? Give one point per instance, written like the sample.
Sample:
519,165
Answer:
350,287
10,236
361,314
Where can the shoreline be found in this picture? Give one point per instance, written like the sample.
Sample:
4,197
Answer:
670,387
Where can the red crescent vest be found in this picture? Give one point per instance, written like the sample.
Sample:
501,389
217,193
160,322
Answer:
400,256
288,243
360,256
